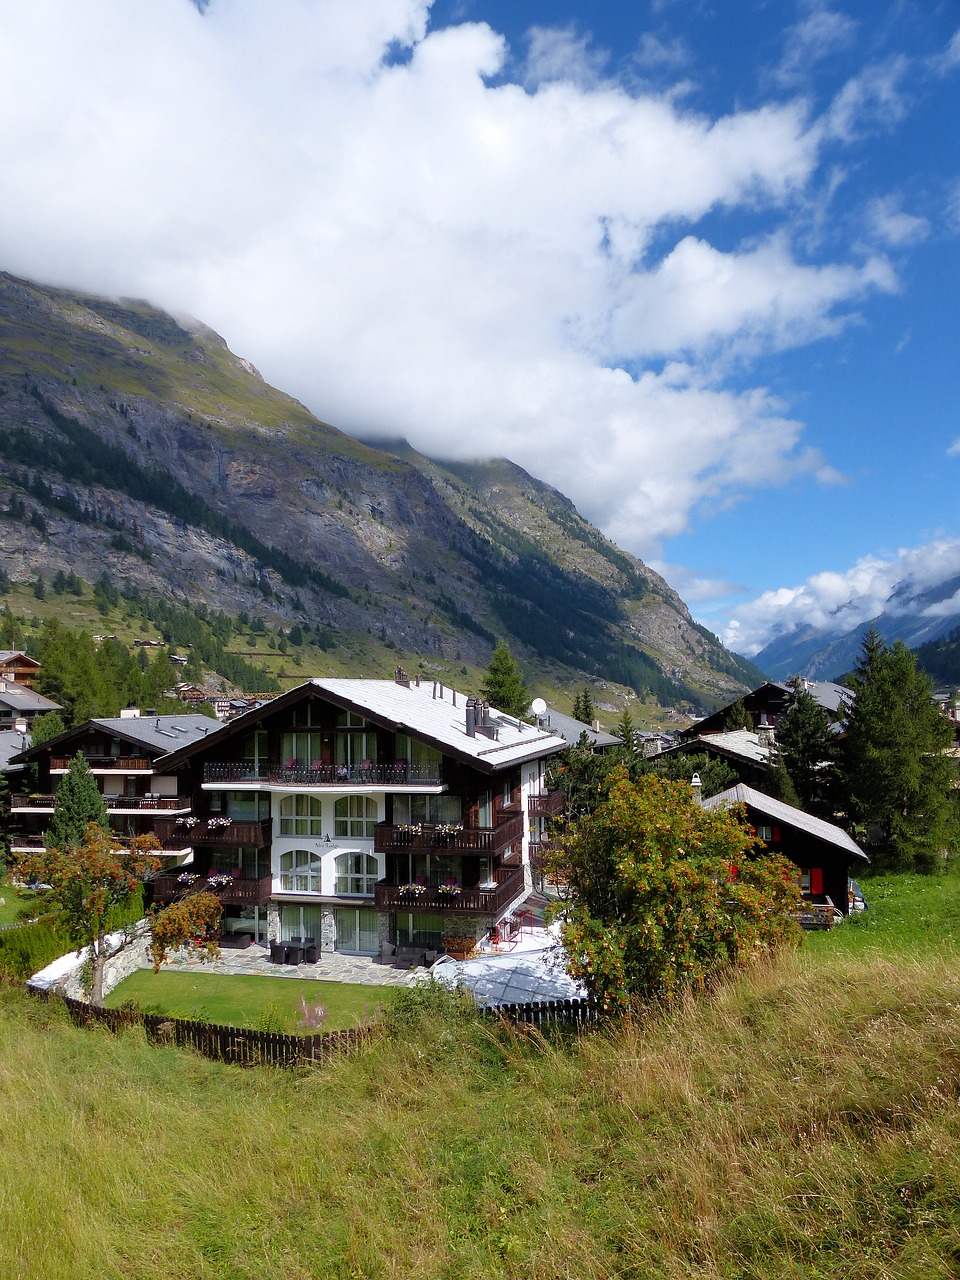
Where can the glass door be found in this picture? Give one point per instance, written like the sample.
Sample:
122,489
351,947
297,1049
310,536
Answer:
356,931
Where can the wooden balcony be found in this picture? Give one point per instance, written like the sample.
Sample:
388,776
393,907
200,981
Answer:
212,831
105,764
237,892
33,804
325,775
148,804
546,805
492,902
427,839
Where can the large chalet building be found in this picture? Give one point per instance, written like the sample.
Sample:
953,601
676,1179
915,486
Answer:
356,812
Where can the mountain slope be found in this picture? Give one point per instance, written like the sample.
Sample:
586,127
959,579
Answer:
133,440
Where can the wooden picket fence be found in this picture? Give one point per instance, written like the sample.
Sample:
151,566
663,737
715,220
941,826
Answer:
239,1045
573,1012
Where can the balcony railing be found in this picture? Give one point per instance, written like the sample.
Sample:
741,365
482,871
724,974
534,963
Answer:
109,764
546,805
32,802
493,901
215,831
422,838
147,804
27,844
237,892
325,775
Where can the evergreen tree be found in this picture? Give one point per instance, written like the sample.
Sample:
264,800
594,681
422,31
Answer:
78,803
625,730
46,727
504,687
737,717
894,778
583,708
777,783
806,743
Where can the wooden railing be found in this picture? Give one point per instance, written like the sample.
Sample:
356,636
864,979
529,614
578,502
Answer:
423,838
119,764
394,897
546,805
237,892
32,802
147,804
211,831
326,775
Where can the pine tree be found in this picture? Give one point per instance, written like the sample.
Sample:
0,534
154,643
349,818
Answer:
78,803
583,709
894,778
45,727
504,687
806,743
737,717
627,753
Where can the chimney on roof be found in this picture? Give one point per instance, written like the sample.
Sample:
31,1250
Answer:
596,726
130,713
401,677
765,732
471,717
20,725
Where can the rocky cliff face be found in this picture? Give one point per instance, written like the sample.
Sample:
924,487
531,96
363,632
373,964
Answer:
138,443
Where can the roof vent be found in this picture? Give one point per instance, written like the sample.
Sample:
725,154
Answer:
401,677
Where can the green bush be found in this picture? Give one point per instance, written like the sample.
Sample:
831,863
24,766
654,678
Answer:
30,948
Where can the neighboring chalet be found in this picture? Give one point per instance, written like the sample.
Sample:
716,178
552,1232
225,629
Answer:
20,706
362,813
123,754
17,668
824,853
747,753
766,704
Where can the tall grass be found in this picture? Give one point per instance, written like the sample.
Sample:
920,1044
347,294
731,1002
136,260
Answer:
802,1121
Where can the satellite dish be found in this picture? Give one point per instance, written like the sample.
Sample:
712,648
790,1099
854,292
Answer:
538,706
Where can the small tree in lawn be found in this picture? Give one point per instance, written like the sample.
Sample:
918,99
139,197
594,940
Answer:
664,894
193,922
78,803
504,687
91,881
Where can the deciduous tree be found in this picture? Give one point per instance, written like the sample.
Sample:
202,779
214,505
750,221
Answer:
663,894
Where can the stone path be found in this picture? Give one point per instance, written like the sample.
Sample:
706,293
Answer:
332,966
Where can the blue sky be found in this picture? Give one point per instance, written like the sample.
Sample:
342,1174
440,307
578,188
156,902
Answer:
694,264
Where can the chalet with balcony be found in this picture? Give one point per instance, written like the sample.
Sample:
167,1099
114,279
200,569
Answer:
360,812
124,755
17,667
20,705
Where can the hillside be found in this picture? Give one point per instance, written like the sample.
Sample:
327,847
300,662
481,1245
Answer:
801,1121
136,442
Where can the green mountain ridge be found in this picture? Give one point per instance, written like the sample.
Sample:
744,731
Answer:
137,442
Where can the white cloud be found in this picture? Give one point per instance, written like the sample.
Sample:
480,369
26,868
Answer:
891,225
871,100
414,246
834,603
819,33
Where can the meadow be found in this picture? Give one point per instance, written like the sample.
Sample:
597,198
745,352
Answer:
800,1122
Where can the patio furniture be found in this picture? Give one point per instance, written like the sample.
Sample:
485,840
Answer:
388,953
310,952
236,941
278,952
411,955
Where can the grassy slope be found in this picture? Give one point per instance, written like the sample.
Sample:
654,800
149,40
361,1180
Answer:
803,1122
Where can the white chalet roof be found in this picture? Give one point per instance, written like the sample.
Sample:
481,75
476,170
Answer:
438,713
737,742
788,815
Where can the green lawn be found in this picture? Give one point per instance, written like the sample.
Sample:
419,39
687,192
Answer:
272,1004
14,902
906,915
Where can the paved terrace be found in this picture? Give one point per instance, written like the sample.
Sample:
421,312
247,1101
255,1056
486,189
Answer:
332,966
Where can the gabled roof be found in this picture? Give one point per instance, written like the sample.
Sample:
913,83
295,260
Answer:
157,734
19,698
787,815
7,655
12,742
738,744
570,728
431,712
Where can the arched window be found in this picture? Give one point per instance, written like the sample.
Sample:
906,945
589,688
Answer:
356,873
300,816
300,871
355,816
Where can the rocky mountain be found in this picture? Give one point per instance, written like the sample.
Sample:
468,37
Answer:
917,616
136,442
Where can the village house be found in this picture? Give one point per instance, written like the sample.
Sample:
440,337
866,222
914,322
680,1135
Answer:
826,857
124,754
767,703
366,815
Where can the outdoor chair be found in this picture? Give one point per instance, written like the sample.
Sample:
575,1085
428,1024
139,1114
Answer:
278,953
387,952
